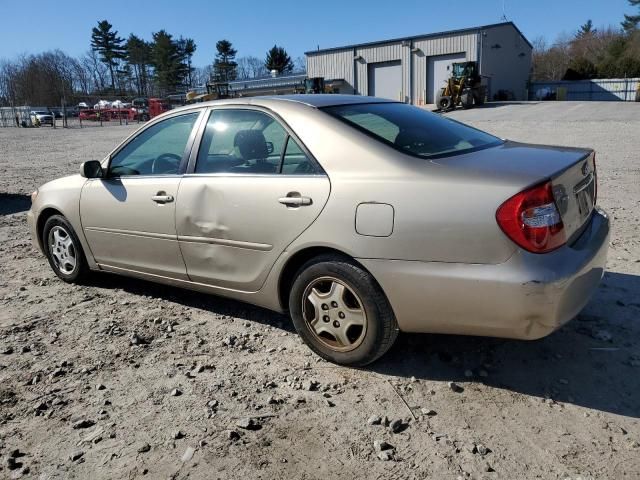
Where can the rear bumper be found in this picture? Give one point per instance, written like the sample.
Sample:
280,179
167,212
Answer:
526,297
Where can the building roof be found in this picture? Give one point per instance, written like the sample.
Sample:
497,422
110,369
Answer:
418,37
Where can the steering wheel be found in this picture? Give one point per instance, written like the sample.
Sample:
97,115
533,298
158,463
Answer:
166,163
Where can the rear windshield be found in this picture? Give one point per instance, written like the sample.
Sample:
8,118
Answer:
413,130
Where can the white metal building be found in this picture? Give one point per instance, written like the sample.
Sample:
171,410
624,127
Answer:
411,69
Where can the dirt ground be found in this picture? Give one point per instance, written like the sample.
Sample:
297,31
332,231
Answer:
127,379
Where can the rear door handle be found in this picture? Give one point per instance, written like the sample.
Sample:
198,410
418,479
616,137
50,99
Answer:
162,198
295,201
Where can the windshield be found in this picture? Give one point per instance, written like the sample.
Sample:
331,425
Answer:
413,130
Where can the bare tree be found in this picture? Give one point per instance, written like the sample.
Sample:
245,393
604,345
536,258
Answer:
98,71
250,67
550,63
257,67
300,65
202,75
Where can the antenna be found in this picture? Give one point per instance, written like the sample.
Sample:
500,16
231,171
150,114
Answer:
504,13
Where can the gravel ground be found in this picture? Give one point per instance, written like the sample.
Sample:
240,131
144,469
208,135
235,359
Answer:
122,378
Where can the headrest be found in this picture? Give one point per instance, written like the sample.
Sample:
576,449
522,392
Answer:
251,144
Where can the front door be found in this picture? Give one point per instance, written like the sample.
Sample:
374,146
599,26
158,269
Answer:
128,217
253,189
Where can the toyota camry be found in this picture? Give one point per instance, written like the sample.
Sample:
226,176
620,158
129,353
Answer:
358,216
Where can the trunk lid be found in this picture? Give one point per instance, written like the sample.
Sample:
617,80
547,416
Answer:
574,190
571,171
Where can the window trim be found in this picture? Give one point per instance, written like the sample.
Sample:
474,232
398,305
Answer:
384,141
193,157
185,154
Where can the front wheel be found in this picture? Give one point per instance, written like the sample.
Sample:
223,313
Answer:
63,250
466,99
340,311
443,102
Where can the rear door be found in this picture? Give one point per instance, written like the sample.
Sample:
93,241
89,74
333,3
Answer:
252,188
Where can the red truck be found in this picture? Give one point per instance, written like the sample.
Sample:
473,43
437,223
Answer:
157,106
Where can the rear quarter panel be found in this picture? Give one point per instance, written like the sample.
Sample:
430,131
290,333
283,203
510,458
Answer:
440,213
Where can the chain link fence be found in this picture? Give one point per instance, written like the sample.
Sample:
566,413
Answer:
25,117
76,111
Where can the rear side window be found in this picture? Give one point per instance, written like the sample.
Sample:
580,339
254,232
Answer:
241,141
295,161
413,130
250,142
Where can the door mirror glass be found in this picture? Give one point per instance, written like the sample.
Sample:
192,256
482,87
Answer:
91,169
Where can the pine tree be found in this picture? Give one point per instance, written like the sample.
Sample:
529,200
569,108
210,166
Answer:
108,45
166,60
279,60
139,58
631,22
187,47
224,65
586,30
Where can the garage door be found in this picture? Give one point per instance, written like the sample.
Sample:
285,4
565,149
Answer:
438,71
385,80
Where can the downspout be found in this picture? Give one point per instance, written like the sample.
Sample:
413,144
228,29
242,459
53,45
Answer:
355,73
410,82
479,54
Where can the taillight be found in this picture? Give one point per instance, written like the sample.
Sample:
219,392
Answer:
532,220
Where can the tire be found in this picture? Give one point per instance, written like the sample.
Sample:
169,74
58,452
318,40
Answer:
443,102
466,99
64,250
352,295
479,94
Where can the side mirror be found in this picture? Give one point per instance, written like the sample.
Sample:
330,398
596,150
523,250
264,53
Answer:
91,169
269,147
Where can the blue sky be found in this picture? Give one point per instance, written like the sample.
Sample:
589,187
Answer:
31,26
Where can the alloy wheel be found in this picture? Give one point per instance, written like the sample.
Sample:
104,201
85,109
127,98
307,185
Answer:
334,314
62,250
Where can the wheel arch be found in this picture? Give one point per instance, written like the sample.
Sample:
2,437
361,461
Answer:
44,215
297,260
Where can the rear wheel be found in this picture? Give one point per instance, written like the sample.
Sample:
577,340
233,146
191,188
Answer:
63,250
341,312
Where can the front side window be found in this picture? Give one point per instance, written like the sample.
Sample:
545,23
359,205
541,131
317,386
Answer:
158,150
250,142
413,130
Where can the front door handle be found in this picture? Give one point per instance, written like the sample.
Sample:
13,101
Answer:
161,197
295,200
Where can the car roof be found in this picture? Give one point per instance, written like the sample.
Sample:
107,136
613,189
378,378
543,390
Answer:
325,100
312,100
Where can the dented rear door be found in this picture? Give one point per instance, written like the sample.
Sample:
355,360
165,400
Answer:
232,228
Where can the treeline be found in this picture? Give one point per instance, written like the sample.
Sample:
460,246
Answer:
115,66
591,52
